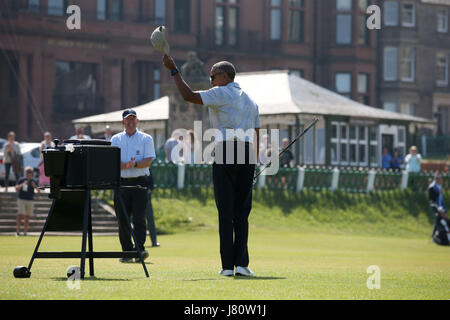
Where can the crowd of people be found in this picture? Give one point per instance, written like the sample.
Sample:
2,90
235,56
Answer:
410,163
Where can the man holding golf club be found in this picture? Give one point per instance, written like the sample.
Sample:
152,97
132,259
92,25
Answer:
230,108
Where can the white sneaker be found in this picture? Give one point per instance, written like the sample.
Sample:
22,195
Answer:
244,271
226,273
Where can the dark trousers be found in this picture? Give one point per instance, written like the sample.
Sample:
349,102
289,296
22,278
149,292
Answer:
7,170
135,201
151,220
233,194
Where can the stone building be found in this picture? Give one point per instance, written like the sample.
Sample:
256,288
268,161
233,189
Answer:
414,49
53,75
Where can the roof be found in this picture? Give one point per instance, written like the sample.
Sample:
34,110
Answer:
275,92
278,92
151,111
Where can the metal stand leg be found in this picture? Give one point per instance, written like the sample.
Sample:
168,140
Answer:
90,243
42,235
132,232
85,231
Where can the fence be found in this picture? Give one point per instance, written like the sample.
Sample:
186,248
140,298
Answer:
434,146
297,179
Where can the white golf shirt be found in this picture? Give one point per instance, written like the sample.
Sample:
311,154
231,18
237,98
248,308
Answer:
138,146
231,108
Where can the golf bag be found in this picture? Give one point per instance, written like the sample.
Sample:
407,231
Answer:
441,231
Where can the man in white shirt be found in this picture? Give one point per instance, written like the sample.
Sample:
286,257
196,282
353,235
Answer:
229,108
136,152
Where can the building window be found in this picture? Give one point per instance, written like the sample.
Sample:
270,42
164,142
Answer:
362,145
34,6
308,147
374,154
75,89
56,7
364,34
363,5
182,15
102,10
390,67
348,144
343,81
441,69
296,72
227,22
442,20
363,88
343,141
116,10
275,19
390,106
320,142
344,5
408,14
344,22
391,13
156,83
408,108
296,20
408,63
160,12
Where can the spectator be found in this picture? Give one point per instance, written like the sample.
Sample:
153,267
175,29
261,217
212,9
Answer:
79,134
108,133
386,159
264,150
413,160
12,157
137,152
397,160
170,144
287,158
46,143
441,232
25,186
191,147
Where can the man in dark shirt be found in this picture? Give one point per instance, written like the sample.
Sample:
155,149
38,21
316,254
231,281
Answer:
287,158
25,187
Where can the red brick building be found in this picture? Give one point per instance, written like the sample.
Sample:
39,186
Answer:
50,74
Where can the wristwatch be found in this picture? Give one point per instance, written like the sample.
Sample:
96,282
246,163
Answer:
173,72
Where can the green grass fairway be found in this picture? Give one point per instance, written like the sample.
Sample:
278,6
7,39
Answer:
288,264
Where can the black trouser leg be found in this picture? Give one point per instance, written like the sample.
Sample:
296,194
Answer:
7,170
135,202
151,220
138,208
243,206
233,194
223,181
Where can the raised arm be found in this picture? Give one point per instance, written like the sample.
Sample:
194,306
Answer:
184,89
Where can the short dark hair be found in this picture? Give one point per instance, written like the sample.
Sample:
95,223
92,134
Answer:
226,67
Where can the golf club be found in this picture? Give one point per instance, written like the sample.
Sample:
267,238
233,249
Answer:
310,125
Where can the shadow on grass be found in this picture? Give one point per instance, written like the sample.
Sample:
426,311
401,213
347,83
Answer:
90,279
258,278
238,278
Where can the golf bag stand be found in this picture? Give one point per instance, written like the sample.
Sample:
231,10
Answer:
87,238
75,169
